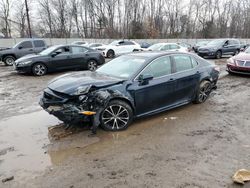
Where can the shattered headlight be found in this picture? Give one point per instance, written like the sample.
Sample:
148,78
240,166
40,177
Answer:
82,90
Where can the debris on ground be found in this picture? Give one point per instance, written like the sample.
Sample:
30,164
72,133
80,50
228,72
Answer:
7,179
241,176
6,150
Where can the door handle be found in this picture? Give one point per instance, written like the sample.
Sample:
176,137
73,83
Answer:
171,79
30,49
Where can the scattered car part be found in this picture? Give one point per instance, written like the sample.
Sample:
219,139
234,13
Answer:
241,176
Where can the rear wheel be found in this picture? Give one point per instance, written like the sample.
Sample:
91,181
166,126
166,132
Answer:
9,60
116,116
92,65
237,52
39,69
203,92
110,54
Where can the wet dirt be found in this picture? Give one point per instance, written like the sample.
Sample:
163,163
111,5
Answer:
192,146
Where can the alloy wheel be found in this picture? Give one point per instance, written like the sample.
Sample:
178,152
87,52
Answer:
9,61
115,117
39,70
92,65
204,92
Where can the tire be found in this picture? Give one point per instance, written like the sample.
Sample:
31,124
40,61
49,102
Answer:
9,60
117,116
203,92
110,54
92,65
218,55
237,52
39,69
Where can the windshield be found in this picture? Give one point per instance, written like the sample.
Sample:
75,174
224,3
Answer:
123,66
48,50
155,47
247,50
216,43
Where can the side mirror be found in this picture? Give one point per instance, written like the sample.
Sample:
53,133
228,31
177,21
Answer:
53,54
144,79
20,47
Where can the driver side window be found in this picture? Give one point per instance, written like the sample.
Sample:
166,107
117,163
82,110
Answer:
159,67
62,51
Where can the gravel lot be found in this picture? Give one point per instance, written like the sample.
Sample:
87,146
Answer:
192,146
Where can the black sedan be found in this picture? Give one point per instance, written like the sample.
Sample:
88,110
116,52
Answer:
58,58
129,87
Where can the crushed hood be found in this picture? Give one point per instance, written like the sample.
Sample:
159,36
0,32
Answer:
69,83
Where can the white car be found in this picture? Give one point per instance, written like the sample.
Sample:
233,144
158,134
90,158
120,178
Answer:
167,47
119,47
95,45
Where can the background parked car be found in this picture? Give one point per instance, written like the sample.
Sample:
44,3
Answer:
240,63
119,47
200,44
218,48
144,44
167,47
30,46
185,45
82,43
60,57
94,45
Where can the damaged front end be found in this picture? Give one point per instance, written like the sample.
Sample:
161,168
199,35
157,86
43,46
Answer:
85,105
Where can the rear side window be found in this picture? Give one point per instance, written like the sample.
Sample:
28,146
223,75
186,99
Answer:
39,43
159,67
78,50
182,63
26,44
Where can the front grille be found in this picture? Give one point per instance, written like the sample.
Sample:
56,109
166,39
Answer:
50,97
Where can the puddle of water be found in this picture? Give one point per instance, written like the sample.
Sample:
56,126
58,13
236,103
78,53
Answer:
26,135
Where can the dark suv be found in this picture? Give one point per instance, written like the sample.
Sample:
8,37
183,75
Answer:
219,47
30,46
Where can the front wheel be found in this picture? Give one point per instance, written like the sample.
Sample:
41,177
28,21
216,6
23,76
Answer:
203,92
110,54
9,60
92,65
116,116
39,69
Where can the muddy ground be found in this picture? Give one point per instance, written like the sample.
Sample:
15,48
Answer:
195,146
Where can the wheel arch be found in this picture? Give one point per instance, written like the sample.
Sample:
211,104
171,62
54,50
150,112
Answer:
10,54
126,101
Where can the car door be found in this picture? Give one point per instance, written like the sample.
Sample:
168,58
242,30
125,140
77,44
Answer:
39,45
232,46
186,76
158,93
61,58
226,48
24,48
79,56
